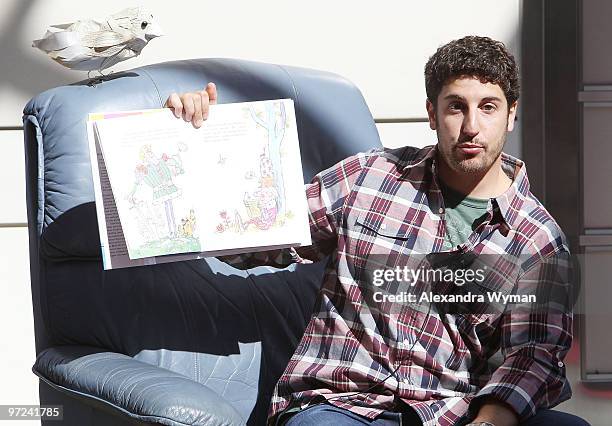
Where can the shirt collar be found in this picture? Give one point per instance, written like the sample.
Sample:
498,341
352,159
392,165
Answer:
509,203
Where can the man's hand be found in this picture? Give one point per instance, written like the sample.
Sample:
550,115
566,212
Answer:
193,106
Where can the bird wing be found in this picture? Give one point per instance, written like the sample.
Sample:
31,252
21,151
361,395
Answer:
82,64
106,52
99,39
87,26
122,55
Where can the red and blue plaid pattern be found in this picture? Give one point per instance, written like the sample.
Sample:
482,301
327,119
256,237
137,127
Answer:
388,203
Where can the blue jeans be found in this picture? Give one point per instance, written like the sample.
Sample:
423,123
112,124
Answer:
329,415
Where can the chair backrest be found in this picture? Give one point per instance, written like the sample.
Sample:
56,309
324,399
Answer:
200,311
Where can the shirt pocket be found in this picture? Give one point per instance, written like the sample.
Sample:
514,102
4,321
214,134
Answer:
376,243
381,247
384,242
380,224
380,234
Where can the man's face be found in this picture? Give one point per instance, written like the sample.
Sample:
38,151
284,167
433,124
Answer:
471,120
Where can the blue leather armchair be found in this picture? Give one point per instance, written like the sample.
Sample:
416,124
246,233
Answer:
194,342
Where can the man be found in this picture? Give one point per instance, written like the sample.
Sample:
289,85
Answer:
366,361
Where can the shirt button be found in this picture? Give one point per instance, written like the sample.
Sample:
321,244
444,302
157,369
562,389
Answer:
406,342
406,381
440,210
560,364
383,226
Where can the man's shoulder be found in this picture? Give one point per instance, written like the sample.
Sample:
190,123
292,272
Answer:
401,157
388,158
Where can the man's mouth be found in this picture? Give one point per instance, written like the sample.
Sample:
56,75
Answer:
469,148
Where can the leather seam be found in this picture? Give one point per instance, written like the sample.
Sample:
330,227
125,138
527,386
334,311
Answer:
154,85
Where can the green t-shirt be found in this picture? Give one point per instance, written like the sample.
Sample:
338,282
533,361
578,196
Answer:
463,214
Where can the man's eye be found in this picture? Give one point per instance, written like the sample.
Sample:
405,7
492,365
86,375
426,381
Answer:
454,107
489,107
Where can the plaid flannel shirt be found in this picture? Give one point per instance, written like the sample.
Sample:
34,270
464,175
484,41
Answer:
388,202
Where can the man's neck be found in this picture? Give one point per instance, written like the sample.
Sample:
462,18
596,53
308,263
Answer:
488,184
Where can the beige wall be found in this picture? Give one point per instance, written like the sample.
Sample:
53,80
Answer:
381,46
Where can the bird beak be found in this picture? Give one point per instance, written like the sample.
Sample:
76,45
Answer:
153,31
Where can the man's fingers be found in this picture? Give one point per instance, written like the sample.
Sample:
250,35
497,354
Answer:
188,107
193,106
205,104
175,104
197,118
211,89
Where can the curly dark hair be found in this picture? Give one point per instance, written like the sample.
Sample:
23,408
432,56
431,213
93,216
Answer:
474,56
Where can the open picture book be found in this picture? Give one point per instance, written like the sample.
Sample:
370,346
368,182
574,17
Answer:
166,191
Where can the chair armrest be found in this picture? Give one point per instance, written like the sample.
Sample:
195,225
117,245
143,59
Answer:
141,391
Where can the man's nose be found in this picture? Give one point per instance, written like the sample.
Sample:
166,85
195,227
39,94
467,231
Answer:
470,127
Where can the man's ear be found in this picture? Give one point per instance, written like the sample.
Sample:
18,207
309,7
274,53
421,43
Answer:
512,115
431,114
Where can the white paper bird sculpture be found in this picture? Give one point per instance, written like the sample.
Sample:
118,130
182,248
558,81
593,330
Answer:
97,44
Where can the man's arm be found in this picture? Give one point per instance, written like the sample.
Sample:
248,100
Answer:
535,340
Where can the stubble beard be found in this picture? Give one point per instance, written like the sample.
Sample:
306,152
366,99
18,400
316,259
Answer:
478,164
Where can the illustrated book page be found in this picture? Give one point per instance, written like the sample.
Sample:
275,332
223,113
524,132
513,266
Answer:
166,191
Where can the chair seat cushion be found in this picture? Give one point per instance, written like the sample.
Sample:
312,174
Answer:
142,391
